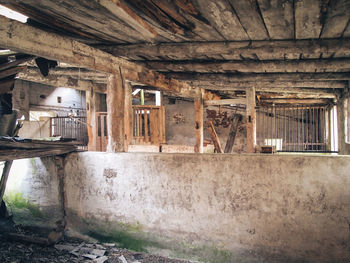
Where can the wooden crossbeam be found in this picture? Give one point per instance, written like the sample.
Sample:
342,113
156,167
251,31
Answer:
276,49
11,71
225,102
34,75
317,65
258,77
26,39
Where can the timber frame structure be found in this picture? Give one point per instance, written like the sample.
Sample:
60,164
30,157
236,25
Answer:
213,52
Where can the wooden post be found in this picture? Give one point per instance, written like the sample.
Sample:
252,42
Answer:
127,115
198,108
236,119
251,121
91,118
116,120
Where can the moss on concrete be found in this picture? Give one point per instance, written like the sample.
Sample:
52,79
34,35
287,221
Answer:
21,207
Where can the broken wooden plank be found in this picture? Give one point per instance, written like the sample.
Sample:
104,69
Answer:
236,119
215,138
11,71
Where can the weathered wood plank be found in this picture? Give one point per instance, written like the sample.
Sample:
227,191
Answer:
250,18
265,50
297,101
278,17
322,65
231,85
23,38
257,77
11,71
337,17
307,19
198,110
225,102
236,119
220,15
215,138
115,113
34,75
90,98
14,63
251,120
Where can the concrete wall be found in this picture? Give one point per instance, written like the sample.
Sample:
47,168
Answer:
34,96
221,208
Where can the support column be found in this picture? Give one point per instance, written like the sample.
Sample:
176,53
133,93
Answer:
198,108
91,98
251,120
127,115
117,125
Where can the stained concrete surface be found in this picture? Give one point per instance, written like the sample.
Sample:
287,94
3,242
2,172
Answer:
209,207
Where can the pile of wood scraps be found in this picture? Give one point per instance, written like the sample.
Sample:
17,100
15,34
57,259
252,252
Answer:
12,148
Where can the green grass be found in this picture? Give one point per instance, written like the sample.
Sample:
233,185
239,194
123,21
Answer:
16,200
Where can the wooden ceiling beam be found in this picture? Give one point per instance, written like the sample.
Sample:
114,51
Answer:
297,101
11,71
23,38
228,85
235,50
311,66
33,75
257,77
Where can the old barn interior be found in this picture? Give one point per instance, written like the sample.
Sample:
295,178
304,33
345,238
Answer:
173,130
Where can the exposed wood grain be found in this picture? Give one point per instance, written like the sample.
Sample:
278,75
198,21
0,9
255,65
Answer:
11,71
320,65
90,98
307,19
226,84
34,75
298,101
198,109
214,137
278,17
20,37
250,18
221,16
236,119
337,18
256,77
264,50
224,102
295,95
115,113
14,63
251,120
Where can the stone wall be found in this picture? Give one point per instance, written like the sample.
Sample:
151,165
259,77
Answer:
221,208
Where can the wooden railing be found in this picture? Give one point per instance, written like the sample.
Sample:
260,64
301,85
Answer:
148,124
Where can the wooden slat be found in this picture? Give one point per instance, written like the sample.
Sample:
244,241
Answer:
307,19
251,120
250,18
337,17
264,50
278,17
198,109
11,71
215,138
311,66
220,15
225,102
236,119
146,126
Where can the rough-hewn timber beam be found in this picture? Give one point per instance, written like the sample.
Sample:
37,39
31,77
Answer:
228,85
257,77
26,39
33,75
11,71
235,50
225,102
265,95
318,65
297,101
